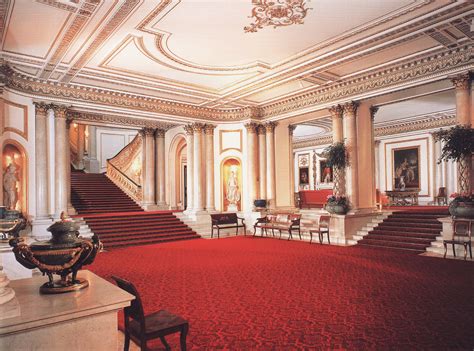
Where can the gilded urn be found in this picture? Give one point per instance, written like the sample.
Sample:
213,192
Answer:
64,254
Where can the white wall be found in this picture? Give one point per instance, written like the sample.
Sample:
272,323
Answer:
110,141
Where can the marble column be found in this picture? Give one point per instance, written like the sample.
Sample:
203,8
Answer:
262,162
350,130
61,150
81,142
210,197
148,168
197,167
160,168
337,130
373,111
70,208
377,163
291,129
189,167
461,84
41,160
252,165
270,146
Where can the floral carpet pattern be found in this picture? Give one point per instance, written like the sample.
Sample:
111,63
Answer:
247,293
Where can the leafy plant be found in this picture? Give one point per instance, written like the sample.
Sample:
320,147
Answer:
337,200
458,143
336,155
462,197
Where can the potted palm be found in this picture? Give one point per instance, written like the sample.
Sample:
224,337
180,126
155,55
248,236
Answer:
336,157
459,147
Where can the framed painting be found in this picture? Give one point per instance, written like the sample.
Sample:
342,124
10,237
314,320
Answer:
304,175
325,173
406,168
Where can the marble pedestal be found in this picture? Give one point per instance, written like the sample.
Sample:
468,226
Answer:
82,320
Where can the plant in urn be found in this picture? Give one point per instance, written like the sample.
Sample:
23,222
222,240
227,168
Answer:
64,254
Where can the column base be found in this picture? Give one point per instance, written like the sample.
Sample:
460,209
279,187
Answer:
150,207
92,165
38,228
162,206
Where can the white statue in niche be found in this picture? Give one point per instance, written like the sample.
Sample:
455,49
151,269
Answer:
10,179
233,192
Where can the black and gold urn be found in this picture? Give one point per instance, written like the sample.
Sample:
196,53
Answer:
64,254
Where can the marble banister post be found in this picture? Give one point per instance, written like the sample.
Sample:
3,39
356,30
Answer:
262,162
148,168
61,150
252,167
160,168
291,129
338,137
197,167
81,142
350,130
41,161
270,148
210,201
189,167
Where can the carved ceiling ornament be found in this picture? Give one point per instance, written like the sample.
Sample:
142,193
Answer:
276,13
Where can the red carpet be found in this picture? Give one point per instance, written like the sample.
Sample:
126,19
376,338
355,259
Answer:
248,293
407,230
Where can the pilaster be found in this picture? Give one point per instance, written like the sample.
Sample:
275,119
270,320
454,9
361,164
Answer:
189,167
81,143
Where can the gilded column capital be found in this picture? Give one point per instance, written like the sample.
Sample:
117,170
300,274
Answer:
197,127
69,121
251,127
350,108
291,129
188,129
60,111
41,108
270,126
209,129
261,129
336,111
461,81
147,132
373,112
160,133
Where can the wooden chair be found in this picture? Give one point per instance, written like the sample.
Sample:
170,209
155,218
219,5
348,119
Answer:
322,228
442,197
141,328
462,235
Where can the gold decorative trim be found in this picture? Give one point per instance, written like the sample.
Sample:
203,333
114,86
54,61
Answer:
221,135
24,133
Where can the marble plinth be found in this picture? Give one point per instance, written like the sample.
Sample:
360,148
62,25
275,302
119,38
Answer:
81,320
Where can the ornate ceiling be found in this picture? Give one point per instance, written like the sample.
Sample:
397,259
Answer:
194,58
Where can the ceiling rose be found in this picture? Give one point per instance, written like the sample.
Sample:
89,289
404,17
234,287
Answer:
276,13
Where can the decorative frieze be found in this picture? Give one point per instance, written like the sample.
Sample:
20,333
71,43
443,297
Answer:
119,120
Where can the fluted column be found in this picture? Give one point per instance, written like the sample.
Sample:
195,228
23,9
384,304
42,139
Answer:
197,167
270,144
337,130
252,166
291,129
61,149
81,142
262,162
210,202
41,161
350,129
461,84
189,167
148,168
160,167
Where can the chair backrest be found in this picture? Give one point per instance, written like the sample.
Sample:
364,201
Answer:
324,221
135,310
463,228
442,192
224,218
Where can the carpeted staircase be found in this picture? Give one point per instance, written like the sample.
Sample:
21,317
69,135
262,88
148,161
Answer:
407,230
117,219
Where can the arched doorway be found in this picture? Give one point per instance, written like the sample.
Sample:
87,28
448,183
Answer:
177,182
15,176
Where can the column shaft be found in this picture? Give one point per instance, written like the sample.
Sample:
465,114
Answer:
81,139
270,146
61,158
252,168
148,168
262,162
93,142
160,167
350,129
41,161
291,129
210,201
197,167
189,167
461,84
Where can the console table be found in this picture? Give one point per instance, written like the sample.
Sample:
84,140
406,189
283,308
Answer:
403,197
81,320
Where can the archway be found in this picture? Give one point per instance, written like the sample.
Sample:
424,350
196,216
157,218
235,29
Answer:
177,172
15,160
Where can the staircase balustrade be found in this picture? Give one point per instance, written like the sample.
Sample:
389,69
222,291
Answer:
120,179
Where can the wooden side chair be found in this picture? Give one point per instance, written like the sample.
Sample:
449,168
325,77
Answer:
141,328
462,235
322,228
442,197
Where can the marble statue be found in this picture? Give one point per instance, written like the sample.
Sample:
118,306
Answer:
233,192
9,187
